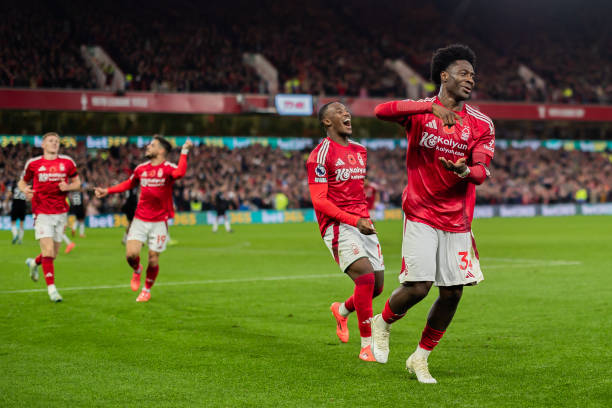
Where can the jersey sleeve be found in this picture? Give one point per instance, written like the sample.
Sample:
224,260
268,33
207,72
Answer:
180,169
486,143
401,112
317,172
28,173
126,185
72,170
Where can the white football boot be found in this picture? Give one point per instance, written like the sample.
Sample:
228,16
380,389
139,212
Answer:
33,268
418,365
54,294
380,339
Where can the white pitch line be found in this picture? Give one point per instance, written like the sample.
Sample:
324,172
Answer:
198,282
528,260
533,262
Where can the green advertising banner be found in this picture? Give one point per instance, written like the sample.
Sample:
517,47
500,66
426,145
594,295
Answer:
289,143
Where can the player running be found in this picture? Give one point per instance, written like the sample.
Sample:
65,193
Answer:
336,172
18,213
150,225
53,175
450,147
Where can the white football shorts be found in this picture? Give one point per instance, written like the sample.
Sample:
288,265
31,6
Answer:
347,245
433,255
154,234
50,226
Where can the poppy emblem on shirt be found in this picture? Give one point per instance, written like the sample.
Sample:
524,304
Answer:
449,130
320,170
351,159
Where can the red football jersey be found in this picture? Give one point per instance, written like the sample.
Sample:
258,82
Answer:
434,195
156,182
46,176
343,168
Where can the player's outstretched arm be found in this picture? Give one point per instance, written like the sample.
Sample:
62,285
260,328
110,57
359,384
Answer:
396,111
100,192
118,188
181,168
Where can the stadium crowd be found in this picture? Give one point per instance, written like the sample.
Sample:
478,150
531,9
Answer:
255,177
322,48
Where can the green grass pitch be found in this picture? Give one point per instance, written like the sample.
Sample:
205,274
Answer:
242,320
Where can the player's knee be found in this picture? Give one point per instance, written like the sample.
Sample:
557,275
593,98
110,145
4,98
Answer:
153,258
419,290
451,295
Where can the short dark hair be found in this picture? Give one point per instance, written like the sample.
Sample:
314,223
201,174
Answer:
323,110
165,144
443,57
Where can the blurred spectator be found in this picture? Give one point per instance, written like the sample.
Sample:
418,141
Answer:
258,177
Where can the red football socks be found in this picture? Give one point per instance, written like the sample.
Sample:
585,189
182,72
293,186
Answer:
350,304
388,315
48,271
430,338
152,272
134,262
362,298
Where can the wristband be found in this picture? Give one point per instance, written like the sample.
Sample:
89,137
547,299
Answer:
184,151
465,173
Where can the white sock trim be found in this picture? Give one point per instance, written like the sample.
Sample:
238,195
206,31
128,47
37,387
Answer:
366,341
343,310
422,353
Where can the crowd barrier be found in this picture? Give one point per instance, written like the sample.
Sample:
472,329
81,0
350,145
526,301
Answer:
308,215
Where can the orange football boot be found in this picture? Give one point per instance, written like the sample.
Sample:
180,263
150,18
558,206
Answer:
366,354
144,296
341,328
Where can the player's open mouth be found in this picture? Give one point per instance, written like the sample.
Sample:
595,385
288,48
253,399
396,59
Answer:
347,122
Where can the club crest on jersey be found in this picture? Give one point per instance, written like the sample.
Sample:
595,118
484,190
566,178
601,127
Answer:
465,133
160,173
62,168
320,170
360,159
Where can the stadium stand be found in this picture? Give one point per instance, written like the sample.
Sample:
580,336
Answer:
328,48
252,176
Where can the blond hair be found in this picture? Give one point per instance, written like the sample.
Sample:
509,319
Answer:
46,135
